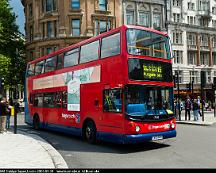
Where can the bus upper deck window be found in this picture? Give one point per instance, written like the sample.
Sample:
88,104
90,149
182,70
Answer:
60,61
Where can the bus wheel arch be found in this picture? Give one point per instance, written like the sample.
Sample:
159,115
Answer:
89,131
36,121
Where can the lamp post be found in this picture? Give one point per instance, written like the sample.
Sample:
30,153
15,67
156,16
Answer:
202,85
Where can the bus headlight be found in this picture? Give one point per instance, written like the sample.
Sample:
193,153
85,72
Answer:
137,128
172,125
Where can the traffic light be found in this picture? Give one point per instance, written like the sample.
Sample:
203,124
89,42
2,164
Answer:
189,86
203,79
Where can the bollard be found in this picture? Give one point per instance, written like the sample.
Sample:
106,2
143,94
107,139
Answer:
15,119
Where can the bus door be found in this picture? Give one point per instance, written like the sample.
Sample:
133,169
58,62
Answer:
50,110
112,110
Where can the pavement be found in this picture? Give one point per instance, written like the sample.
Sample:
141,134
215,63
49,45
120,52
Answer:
29,151
209,119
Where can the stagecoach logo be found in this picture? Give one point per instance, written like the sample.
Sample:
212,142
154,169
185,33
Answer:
76,117
164,126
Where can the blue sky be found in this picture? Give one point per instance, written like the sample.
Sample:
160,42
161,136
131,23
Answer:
18,10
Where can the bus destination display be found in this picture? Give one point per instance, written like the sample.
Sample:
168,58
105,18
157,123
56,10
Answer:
140,69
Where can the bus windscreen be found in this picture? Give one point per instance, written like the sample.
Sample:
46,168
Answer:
140,42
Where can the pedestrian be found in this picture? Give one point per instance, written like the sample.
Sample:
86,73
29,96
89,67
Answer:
195,110
8,113
188,106
199,105
3,110
178,110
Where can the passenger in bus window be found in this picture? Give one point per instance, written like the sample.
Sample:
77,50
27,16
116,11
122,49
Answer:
149,103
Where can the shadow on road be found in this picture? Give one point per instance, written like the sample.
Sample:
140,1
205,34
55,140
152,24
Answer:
67,142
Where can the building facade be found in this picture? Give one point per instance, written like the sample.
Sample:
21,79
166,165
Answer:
148,13
191,25
54,24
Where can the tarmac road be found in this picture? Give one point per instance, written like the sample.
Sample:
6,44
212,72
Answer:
194,147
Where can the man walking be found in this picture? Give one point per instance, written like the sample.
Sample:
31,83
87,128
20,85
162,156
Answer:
187,109
3,110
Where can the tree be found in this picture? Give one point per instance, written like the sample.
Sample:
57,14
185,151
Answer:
12,51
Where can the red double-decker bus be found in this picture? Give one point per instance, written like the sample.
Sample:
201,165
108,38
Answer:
115,87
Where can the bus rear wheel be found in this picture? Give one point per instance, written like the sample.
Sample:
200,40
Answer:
90,132
36,122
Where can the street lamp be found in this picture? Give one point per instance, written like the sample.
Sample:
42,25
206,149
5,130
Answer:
202,85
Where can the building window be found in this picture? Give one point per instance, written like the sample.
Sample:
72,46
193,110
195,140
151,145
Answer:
48,5
75,27
214,58
130,17
180,75
191,6
102,26
176,3
194,76
177,37
178,57
208,76
203,40
30,10
204,22
157,21
49,29
191,40
204,5
214,23
176,17
144,18
31,34
204,58
191,20
75,4
103,5
213,10
192,59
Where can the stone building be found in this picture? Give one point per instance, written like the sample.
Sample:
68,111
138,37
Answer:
192,27
54,24
148,13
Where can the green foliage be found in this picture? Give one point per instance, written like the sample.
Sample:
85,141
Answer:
12,61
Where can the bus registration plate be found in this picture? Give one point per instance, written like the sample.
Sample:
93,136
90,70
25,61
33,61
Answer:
155,138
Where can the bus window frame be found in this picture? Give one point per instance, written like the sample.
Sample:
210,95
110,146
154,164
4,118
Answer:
57,61
28,66
149,55
78,59
121,96
42,71
120,46
55,65
98,52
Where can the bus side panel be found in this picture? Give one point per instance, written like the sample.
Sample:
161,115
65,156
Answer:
91,103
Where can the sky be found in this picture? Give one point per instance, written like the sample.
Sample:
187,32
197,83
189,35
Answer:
18,10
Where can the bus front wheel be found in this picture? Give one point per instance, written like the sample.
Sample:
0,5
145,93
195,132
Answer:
90,132
36,122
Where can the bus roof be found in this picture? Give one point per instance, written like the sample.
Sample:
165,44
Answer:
123,27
